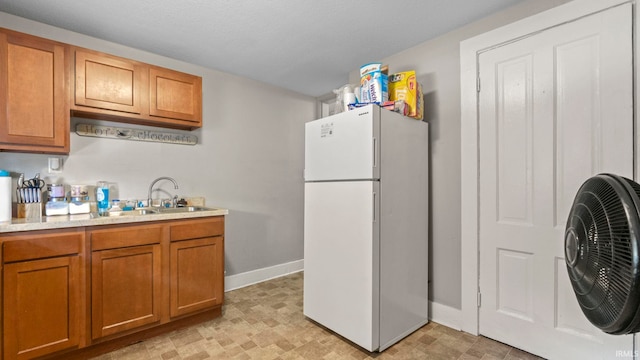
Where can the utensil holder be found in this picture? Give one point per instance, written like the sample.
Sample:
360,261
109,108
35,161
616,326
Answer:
31,211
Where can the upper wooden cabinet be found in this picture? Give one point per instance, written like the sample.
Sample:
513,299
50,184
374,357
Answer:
117,89
34,110
43,82
175,95
107,82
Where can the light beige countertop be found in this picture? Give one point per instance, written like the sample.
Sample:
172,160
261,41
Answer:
93,219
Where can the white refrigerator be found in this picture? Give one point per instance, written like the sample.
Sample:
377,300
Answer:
366,225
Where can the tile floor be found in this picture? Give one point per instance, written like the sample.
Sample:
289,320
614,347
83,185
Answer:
265,321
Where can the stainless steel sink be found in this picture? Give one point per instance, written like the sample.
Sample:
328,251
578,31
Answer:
135,212
155,210
183,209
141,212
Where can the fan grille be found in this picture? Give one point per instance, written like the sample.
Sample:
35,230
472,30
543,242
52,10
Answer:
601,252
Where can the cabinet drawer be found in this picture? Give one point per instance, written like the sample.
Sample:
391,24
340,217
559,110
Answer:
197,229
125,237
40,246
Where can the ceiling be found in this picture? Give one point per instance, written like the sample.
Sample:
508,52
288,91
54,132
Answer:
307,46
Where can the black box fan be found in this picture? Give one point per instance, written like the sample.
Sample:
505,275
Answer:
601,252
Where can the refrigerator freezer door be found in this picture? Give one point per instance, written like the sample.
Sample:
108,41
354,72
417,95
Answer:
344,146
341,252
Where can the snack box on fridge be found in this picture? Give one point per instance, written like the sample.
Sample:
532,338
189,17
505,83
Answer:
403,86
419,104
397,106
374,83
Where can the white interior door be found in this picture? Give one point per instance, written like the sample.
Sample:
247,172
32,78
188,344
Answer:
554,108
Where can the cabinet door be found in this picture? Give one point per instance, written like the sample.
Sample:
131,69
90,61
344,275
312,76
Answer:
108,82
197,280
125,289
41,306
175,95
34,110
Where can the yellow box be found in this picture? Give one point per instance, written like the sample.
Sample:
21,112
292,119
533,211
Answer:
419,103
403,86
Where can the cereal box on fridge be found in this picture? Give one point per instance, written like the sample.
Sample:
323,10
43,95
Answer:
419,104
403,86
373,83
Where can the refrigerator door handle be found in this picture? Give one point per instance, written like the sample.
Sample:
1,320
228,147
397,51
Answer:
375,152
374,207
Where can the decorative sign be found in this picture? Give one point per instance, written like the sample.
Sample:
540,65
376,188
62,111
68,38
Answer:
134,134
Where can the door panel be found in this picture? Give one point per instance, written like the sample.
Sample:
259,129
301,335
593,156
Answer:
195,264
514,184
176,95
555,108
125,289
515,292
341,247
33,101
41,307
343,146
108,82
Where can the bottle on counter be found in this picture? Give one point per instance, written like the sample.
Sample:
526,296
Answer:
102,196
115,206
5,196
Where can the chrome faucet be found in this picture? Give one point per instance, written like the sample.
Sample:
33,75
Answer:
175,184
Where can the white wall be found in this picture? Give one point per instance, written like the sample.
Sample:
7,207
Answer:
437,66
249,158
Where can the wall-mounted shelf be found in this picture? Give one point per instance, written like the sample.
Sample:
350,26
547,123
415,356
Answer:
121,133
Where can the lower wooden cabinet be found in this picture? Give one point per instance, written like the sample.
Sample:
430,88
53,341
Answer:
125,289
193,264
42,306
197,256
65,290
126,278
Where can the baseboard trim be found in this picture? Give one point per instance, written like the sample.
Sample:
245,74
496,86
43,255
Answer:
237,281
445,315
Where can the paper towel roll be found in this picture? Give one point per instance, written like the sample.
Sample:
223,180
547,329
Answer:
5,196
